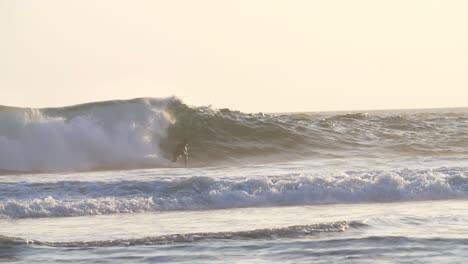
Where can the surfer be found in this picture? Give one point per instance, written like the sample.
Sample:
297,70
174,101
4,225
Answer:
181,150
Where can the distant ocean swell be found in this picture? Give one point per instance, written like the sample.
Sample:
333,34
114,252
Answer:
75,198
142,132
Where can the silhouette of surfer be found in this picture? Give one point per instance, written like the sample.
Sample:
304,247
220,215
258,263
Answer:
181,150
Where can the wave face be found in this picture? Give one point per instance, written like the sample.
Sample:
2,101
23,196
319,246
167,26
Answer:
142,133
80,198
231,136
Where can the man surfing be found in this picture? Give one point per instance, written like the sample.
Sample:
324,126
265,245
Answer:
181,150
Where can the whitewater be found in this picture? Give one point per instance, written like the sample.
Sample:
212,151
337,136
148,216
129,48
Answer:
94,183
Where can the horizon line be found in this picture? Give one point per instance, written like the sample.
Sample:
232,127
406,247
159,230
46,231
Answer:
233,109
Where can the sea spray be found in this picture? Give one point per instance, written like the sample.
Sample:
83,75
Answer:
120,134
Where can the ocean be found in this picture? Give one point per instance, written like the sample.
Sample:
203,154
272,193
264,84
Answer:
93,183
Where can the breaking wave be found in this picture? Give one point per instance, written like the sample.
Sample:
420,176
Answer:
142,133
76,198
116,134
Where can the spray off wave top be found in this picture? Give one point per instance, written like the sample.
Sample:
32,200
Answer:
114,134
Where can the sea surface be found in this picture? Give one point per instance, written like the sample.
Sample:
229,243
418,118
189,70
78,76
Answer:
94,183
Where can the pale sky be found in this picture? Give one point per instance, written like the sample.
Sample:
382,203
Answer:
249,55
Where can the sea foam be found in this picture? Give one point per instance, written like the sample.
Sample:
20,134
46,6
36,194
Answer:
121,134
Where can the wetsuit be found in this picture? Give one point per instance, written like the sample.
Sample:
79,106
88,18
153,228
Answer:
181,150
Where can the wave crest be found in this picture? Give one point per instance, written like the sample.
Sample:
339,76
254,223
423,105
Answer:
268,233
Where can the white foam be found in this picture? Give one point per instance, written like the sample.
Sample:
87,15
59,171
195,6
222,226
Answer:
191,193
50,207
120,134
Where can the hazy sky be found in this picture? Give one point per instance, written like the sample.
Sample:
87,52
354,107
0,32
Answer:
249,55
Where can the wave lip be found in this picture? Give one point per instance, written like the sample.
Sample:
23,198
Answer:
260,234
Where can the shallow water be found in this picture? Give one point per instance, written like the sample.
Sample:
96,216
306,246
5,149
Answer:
411,232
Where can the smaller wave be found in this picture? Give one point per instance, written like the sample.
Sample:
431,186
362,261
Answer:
75,198
260,234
